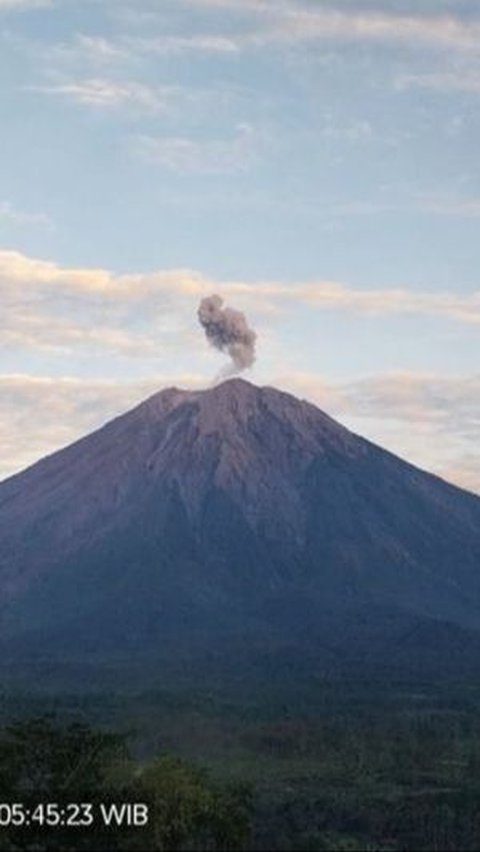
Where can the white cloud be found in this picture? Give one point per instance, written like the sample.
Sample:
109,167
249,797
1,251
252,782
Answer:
46,332
331,295
49,307
17,269
91,48
438,30
9,213
85,52
293,22
406,396
112,95
288,22
177,44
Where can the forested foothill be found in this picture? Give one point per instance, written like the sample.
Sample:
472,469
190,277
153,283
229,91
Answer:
338,766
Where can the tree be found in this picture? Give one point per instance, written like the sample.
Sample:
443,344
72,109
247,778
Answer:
43,761
42,757
189,812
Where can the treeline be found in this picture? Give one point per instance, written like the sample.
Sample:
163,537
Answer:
58,784
392,783
342,782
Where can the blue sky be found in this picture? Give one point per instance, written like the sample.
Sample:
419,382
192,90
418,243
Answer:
314,163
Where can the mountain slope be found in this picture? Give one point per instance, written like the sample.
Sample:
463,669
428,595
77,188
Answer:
232,515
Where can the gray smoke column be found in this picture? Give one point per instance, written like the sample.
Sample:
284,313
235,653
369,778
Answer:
227,330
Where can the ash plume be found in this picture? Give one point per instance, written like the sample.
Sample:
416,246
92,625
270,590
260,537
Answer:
227,330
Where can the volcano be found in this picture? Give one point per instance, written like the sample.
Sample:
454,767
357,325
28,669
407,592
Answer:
237,517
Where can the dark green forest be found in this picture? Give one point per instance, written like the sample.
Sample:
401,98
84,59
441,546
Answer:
341,766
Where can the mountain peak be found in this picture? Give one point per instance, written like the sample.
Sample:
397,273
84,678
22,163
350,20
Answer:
224,500
167,399
160,404
238,412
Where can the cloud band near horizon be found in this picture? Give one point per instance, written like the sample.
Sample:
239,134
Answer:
31,290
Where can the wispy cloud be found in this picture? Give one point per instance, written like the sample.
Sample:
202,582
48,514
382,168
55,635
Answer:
294,22
93,49
453,401
456,80
10,213
178,44
51,309
192,156
464,208
42,330
110,94
436,204
331,295
18,270
286,22
178,288
85,53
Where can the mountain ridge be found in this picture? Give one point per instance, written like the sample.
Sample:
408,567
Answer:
206,514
